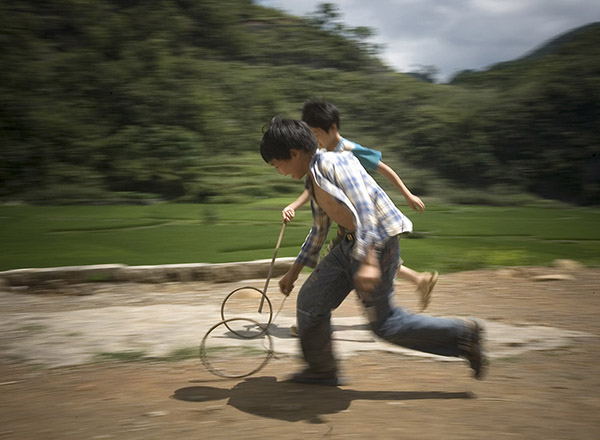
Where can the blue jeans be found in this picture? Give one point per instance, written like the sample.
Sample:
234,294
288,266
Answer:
330,283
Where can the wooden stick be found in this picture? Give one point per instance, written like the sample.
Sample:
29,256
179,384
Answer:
262,298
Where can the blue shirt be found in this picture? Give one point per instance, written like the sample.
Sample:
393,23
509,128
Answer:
376,217
368,158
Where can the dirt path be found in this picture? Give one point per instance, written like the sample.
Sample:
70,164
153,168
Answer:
543,384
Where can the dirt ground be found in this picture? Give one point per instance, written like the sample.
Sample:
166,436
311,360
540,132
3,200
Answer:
544,394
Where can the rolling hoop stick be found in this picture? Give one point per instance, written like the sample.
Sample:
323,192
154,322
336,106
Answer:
240,344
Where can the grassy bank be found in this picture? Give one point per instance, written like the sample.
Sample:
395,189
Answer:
447,237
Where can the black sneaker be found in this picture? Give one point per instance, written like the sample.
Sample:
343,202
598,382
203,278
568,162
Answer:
308,376
473,349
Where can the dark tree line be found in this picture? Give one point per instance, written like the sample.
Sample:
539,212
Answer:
168,98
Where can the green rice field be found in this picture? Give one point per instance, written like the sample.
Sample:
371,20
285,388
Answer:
447,238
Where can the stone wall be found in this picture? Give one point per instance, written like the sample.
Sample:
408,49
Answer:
223,272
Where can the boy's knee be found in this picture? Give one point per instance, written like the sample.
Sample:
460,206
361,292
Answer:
383,331
307,320
305,317
377,329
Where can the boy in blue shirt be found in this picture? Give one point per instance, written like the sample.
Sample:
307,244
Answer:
323,118
366,259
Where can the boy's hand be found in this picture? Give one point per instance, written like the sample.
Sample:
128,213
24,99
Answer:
368,276
415,203
286,283
288,213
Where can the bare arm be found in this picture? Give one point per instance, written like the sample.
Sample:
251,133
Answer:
286,283
289,211
413,201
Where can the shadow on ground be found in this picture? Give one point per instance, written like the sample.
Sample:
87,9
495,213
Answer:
283,400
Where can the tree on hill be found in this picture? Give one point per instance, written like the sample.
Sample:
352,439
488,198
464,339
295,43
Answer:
104,97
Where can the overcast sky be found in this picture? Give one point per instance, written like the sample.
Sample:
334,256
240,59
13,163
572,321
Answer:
454,35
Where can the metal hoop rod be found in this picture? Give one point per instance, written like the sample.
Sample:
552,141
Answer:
262,298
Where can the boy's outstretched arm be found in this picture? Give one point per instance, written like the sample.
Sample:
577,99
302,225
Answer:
289,211
413,201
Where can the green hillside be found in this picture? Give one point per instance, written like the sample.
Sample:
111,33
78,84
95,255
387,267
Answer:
104,101
546,115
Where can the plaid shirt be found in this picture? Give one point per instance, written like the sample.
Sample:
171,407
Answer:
376,217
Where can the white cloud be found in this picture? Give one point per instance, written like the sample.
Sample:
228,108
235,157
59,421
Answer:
454,35
500,6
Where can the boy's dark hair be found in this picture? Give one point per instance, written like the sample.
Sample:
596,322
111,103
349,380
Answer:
320,114
283,135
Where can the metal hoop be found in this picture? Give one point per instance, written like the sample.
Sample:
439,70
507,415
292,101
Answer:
215,371
227,320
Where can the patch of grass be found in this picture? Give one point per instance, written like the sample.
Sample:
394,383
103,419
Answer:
33,328
510,359
97,277
216,349
14,357
181,354
238,351
252,351
121,356
556,353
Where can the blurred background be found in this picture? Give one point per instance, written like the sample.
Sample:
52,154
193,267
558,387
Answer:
107,102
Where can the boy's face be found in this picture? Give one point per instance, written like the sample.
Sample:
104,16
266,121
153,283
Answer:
295,167
326,139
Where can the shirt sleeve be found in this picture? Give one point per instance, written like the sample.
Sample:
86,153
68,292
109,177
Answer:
367,157
311,248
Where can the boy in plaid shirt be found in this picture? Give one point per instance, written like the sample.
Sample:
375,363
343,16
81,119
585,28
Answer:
341,191
323,118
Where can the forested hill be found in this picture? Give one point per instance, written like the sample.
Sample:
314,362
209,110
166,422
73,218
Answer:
548,115
573,52
105,99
